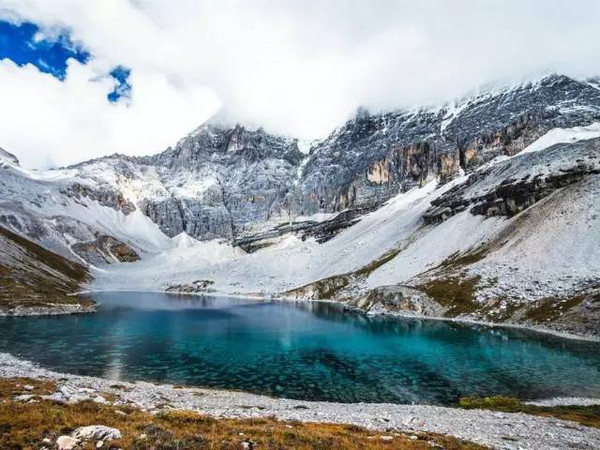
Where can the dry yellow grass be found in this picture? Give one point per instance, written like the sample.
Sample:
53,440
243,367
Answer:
25,425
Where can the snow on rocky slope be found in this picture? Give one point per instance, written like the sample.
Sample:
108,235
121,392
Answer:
520,259
236,183
493,199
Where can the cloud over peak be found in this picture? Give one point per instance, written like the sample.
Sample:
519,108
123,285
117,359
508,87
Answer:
297,67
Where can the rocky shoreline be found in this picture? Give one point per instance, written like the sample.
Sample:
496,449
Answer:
468,321
54,310
494,429
381,311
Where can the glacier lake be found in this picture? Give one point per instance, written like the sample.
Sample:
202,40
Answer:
301,350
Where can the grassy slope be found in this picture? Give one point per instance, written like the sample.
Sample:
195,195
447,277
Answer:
31,276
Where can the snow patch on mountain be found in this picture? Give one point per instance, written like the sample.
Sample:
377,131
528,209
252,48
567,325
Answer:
564,136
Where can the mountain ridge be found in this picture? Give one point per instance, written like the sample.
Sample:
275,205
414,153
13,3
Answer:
373,215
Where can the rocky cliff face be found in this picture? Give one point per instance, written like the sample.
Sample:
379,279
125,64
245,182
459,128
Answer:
372,158
243,185
222,182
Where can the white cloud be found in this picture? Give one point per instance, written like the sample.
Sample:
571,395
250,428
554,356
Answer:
298,67
47,122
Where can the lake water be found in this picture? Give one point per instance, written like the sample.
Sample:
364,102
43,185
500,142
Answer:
303,350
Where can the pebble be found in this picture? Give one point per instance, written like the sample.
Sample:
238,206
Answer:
386,438
100,399
86,391
77,398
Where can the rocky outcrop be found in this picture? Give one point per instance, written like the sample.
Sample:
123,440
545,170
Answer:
8,157
372,158
223,181
105,249
238,183
322,231
99,434
96,433
106,196
196,287
403,300
519,183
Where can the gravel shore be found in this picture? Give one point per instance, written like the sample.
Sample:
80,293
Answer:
497,430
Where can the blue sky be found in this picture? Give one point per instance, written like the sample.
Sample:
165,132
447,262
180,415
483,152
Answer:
19,43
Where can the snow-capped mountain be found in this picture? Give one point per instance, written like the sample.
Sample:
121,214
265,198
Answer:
484,209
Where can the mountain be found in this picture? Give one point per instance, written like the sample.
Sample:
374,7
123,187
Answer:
372,158
484,209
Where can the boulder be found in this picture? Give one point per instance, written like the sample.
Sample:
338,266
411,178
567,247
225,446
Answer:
97,433
66,443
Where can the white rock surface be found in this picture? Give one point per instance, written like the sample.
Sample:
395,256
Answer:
96,432
66,443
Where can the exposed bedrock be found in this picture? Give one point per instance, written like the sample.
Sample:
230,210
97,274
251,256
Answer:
105,195
519,183
234,182
105,249
322,231
372,158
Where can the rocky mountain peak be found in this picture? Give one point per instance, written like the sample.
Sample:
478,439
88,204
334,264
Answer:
228,145
225,180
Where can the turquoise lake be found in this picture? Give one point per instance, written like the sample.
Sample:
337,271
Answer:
302,350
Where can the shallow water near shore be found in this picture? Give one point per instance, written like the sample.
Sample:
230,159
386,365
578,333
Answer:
302,350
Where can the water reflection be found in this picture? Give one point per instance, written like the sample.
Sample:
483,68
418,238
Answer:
307,350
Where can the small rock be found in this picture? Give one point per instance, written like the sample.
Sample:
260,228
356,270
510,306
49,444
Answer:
67,391
46,441
77,398
99,444
121,413
386,438
86,391
96,432
99,399
66,443
143,436
24,397
408,421
28,387
413,438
